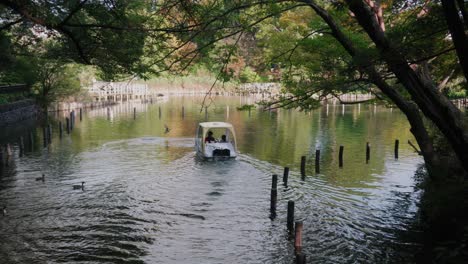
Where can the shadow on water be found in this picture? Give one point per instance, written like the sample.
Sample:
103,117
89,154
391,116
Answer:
148,199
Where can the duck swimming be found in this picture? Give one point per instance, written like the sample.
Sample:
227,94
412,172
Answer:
41,178
79,187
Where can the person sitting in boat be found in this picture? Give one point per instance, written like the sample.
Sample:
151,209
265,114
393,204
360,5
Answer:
223,139
210,137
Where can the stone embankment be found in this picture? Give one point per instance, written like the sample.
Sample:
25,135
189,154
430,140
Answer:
18,111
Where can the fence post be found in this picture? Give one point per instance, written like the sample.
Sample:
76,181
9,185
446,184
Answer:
298,237
397,142
21,146
290,218
31,141
44,133
317,161
49,133
340,157
67,124
273,196
303,161
300,258
285,176
1,157
367,152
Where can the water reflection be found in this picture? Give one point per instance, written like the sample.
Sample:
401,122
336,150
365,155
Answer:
147,199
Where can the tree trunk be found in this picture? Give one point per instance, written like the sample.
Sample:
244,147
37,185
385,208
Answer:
434,105
408,108
457,31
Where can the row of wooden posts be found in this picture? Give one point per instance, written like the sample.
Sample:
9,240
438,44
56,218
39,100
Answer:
295,228
340,157
47,138
47,135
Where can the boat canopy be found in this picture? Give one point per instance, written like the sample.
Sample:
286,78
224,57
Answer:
215,125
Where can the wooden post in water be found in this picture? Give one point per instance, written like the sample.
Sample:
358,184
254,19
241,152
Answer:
397,142
72,120
134,113
49,134
290,218
285,176
60,129
340,157
160,113
1,157
67,124
273,196
303,162
31,141
298,237
81,114
367,152
21,146
9,151
183,112
317,161
300,258
44,135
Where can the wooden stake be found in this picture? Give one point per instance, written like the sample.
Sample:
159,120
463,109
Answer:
31,141
303,162
298,237
300,258
68,124
81,114
317,161
44,133
285,176
340,156
290,218
273,196
21,146
49,134
367,152
134,113
60,129
72,119
397,143
1,157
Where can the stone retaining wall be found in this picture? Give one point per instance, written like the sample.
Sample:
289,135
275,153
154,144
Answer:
18,111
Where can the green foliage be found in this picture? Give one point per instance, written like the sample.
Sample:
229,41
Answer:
56,81
245,107
248,75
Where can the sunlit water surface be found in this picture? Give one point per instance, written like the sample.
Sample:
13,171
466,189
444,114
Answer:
148,199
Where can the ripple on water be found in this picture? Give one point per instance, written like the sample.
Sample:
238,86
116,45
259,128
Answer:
142,203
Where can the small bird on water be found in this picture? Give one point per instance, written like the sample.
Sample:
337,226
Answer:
79,187
41,178
167,129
